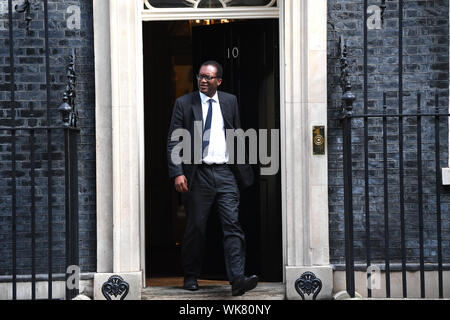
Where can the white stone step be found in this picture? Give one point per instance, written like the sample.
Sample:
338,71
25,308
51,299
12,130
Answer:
264,291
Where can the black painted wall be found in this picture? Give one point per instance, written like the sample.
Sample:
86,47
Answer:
425,69
31,110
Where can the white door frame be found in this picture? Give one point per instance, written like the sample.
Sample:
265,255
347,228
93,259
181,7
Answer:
177,14
303,95
163,14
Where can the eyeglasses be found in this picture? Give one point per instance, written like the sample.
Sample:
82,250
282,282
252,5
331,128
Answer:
207,78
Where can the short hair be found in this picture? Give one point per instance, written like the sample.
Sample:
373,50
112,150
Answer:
215,64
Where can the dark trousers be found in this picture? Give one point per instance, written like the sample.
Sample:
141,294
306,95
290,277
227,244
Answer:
211,184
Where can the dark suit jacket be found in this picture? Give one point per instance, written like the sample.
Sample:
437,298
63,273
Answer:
187,110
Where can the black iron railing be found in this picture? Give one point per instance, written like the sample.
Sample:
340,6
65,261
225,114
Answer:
65,138
34,149
347,117
416,129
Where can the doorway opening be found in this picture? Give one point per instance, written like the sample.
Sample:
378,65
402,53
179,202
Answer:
249,53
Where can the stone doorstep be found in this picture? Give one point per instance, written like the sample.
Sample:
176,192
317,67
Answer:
264,291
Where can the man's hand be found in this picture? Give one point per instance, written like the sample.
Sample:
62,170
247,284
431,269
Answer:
181,184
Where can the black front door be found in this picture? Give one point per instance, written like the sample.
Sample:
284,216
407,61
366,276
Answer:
249,54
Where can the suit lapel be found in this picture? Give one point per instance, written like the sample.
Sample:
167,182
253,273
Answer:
197,107
226,111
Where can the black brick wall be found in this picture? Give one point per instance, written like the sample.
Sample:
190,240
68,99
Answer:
31,110
425,69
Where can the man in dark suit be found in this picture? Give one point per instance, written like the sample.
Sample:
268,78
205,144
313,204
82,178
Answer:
207,176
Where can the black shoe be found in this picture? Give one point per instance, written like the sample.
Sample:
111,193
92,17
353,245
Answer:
190,284
243,284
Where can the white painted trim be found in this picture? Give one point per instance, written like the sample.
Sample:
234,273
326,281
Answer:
103,136
246,12
202,14
195,3
446,176
304,180
282,46
126,106
141,133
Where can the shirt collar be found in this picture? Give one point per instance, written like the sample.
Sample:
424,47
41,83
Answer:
205,98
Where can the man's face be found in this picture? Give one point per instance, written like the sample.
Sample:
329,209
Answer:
208,87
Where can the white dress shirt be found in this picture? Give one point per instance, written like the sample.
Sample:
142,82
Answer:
217,149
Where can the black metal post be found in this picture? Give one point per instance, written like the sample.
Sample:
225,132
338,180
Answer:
13,154
400,146
386,201
366,154
348,204
71,203
347,111
438,195
74,134
69,119
33,218
49,214
49,156
420,196
67,209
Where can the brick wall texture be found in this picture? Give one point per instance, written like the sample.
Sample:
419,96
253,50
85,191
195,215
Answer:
30,109
425,70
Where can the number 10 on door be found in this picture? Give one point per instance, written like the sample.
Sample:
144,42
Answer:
233,52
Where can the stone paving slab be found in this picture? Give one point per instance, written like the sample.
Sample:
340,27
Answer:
264,291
